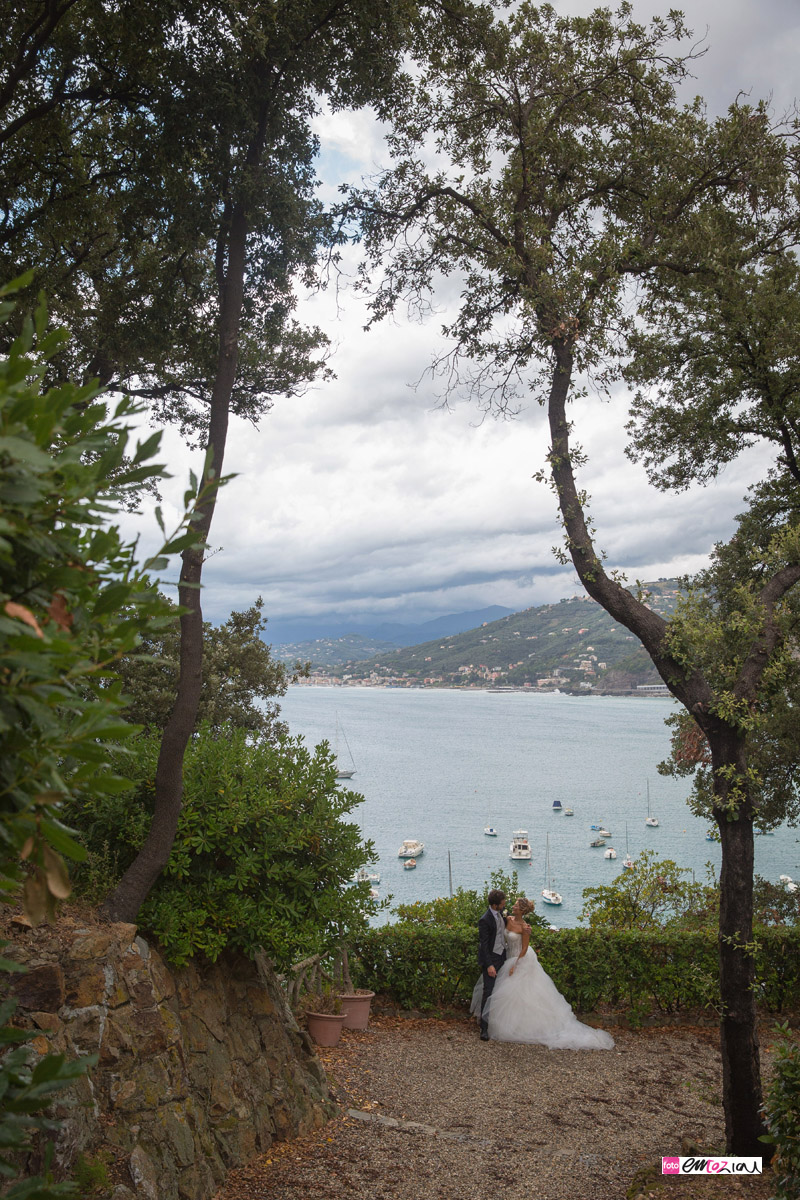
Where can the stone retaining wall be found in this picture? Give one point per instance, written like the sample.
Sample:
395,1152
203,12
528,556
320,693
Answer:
199,1070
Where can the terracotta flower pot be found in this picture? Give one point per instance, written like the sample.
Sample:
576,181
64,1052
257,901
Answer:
325,1028
356,1009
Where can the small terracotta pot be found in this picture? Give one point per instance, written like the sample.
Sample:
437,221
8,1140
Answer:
325,1028
356,1010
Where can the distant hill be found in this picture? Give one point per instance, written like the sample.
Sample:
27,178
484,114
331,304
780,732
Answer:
332,645
573,645
331,652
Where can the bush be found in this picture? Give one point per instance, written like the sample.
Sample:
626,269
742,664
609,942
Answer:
465,908
262,858
426,967
72,601
781,1111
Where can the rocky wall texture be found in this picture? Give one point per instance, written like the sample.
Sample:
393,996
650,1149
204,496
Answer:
199,1070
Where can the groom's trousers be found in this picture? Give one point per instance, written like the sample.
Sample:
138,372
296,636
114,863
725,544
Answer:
488,986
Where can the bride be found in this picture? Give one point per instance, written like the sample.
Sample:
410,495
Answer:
525,1005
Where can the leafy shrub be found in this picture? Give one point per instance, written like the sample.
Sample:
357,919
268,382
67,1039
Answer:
262,858
72,601
422,966
781,1111
465,908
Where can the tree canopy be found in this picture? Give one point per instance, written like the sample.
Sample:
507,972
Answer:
241,680
572,195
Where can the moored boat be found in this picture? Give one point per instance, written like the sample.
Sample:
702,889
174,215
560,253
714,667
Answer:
409,864
520,847
549,894
490,831
411,848
610,853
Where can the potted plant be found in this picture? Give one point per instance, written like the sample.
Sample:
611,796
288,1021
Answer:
324,1017
355,1001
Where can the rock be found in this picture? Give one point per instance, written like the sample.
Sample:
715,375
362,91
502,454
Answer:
41,989
143,1173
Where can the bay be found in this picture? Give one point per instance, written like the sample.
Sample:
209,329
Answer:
439,765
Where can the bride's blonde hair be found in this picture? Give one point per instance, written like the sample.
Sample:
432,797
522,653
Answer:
525,905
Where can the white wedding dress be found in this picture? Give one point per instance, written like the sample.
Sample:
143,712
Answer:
528,1007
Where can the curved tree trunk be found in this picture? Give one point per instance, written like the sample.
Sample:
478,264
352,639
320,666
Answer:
738,1029
125,901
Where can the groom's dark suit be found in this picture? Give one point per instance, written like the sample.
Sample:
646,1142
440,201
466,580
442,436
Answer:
487,936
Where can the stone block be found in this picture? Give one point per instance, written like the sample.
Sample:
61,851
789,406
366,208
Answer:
91,945
84,983
41,989
144,1174
47,1021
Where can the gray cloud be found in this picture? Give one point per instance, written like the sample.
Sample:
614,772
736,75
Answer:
365,497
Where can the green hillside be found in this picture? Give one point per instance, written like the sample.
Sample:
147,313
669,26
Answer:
574,645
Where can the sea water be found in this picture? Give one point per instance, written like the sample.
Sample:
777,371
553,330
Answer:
440,765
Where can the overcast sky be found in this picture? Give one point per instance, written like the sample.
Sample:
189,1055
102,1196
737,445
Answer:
365,499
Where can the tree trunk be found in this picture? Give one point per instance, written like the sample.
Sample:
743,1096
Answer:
741,1074
125,901
738,1032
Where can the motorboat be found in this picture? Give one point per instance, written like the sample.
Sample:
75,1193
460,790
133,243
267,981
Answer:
557,806
411,848
409,864
365,876
712,835
598,842
599,827
520,847
549,895
490,831
610,853
569,812
602,832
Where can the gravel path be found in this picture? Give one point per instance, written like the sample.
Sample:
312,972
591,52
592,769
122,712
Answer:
429,1112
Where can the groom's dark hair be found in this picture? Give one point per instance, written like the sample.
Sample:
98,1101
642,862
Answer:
495,897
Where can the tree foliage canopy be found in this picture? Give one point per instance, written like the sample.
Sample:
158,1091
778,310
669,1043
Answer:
263,858
240,677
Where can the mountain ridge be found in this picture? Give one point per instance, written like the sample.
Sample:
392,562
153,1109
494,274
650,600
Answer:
572,645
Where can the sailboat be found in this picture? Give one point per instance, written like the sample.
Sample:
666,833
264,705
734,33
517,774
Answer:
627,861
649,819
343,772
548,894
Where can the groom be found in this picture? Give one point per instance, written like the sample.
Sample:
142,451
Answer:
491,950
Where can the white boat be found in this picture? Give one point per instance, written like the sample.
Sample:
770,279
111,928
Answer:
520,847
411,848
649,819
603,832
409,864
343,771
490,831
610,853
365,876
569,812
627,861
549,895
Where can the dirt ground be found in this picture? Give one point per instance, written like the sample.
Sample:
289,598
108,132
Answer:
429,1112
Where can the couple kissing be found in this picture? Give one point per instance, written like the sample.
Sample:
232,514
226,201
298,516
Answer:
515,999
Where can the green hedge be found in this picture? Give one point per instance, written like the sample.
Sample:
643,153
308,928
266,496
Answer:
660,972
